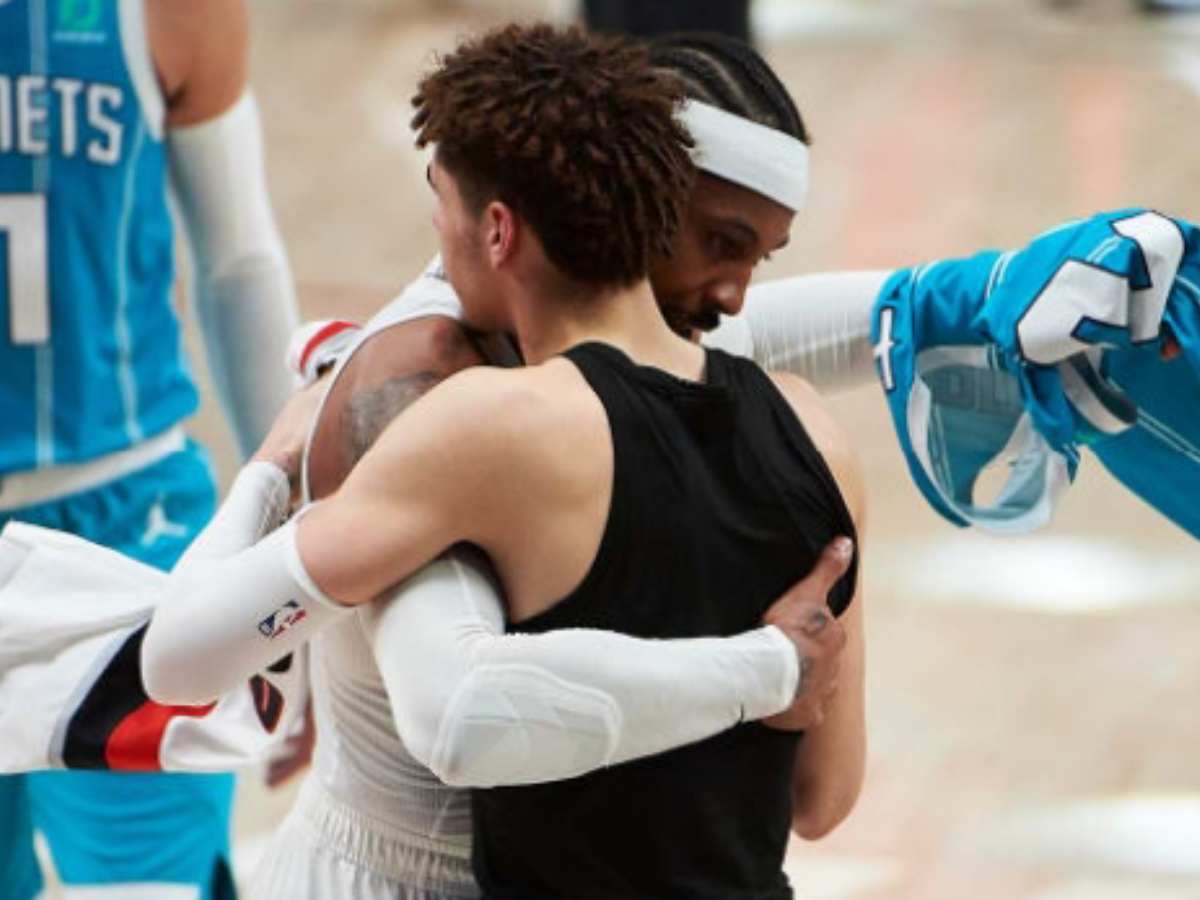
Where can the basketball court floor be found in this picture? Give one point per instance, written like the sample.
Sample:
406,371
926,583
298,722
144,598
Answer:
1033,716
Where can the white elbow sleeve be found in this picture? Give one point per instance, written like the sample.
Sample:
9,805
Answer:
482,708
243,287
229,618
510,723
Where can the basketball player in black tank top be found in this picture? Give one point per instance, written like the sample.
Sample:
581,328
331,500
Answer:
627,463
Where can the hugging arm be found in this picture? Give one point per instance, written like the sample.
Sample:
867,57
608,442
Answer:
469,700
482,708
233,610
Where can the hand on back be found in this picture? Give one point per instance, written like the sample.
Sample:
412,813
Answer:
803,615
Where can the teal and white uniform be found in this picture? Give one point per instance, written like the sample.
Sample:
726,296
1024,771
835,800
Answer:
92,370
1027,358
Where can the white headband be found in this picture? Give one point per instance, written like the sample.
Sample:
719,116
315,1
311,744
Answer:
754,156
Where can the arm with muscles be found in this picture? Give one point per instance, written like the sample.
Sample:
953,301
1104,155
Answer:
242,285
480,707
231,617
831,760
814,326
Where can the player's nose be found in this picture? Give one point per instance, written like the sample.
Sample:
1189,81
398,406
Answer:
728,296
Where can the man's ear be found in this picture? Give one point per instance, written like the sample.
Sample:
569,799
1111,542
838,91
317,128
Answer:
502,229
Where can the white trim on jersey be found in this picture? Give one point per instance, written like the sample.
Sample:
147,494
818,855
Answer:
43,353
138,60
33,486
1024,444
126,377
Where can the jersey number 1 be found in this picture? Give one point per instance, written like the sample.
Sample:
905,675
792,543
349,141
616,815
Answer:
23,223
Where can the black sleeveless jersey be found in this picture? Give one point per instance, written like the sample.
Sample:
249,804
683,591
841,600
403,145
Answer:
720,502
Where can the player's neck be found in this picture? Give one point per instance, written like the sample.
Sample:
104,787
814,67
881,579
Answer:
627,318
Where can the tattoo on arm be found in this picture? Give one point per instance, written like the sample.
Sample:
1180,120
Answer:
369,411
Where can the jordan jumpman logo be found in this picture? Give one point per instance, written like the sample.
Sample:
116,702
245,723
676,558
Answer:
159,526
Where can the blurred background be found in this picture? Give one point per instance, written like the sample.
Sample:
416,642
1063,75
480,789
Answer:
1034,725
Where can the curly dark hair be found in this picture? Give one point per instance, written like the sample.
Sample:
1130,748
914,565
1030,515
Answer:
575,132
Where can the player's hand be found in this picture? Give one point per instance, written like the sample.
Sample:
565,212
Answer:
803,614
284,443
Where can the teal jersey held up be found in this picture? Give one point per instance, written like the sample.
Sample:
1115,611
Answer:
1026,359
91,356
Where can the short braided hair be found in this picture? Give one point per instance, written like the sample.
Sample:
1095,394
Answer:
576,132
730,74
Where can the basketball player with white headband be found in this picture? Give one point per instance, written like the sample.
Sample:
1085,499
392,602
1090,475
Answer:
833,341
709,685
820,327
828,342
497,714
847,329
754,163
817,326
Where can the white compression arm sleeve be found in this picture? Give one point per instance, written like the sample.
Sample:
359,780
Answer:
243,288
225,617
814,326
481,708
257,504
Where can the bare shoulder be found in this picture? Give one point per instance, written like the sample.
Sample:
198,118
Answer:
829,437
200,52
482,417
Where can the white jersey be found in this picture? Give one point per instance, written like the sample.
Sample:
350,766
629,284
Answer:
372,821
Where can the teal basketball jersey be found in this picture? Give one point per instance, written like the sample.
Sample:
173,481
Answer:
1026,359
90,348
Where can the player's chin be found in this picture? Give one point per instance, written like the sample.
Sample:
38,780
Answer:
680,326
683,325
689,331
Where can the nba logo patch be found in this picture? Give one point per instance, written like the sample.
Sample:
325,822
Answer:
281,620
